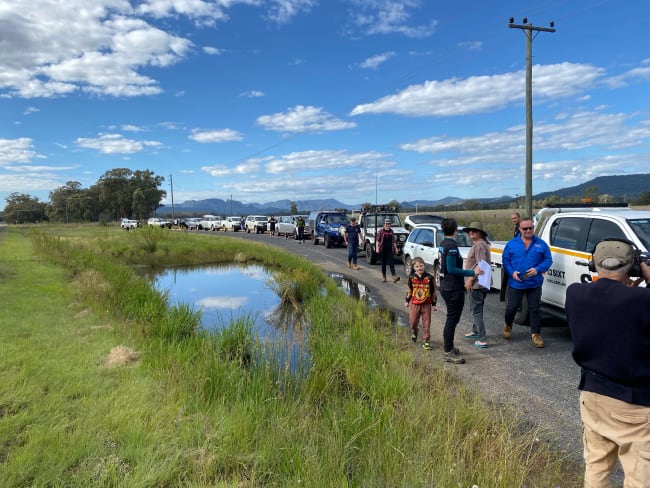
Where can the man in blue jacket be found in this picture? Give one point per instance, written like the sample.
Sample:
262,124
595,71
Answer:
609,321
525,259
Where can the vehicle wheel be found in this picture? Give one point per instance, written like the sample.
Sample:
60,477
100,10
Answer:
408,265
248,231
436,274
371,255
522,317
327,240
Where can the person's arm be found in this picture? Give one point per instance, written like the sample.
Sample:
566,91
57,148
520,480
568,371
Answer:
453,269
409,292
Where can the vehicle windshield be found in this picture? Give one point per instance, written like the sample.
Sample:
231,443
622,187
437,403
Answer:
337,219
377,220
260,218
425,219
641,228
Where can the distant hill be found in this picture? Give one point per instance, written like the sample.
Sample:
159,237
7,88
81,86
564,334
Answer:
627,187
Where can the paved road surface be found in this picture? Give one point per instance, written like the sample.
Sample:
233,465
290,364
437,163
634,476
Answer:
539,383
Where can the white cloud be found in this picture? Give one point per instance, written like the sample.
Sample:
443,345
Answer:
252,94
19,150
283,11
324,160
301,119
115,144
212,51
471,45
389,17
31,110
373,62
479,94
220,135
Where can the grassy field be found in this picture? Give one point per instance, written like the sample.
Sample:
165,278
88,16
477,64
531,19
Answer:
104,384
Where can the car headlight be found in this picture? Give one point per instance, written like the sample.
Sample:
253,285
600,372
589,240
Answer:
402,238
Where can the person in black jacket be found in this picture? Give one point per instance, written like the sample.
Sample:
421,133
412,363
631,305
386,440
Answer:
609,321
452,287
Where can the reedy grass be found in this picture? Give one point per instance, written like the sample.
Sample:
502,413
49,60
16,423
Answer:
211,409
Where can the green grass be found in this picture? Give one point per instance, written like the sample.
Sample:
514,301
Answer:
201,410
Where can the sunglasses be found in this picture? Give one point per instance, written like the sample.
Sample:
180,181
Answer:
526,228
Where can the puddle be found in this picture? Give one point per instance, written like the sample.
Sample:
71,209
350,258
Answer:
225,293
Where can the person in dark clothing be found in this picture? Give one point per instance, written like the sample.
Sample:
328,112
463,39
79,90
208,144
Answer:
300,227
351,237
452,287
386,247
609,320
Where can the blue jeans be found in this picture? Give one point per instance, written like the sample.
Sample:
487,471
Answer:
454,300
352,252
476,301
533,297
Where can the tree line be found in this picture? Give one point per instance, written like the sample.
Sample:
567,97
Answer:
122,193
118,193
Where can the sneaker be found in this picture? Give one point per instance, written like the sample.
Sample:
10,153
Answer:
414,337
471,335
507,331
395,279
426,346
481,344
537,340
453,356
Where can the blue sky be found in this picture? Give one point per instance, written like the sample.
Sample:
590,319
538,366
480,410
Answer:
262,100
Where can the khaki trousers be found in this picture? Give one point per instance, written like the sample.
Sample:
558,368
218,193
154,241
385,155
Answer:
613,429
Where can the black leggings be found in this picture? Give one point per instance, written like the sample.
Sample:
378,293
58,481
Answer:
387,258
454,300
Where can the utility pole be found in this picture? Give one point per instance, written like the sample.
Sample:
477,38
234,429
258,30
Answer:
171,185
528,30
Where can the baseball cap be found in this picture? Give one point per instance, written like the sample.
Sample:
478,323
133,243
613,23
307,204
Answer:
386,221
613,254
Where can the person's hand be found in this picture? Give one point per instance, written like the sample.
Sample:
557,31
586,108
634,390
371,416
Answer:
478,271
434,308
406,304
531,272
645,272
515,275
468,285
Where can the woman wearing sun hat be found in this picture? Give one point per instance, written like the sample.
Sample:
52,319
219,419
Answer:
480,251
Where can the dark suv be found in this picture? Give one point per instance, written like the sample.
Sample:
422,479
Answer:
328,225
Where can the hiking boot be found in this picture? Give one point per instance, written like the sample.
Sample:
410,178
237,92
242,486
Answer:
426,346
414,337
507,331
383,278
537,340
348,265
471,335
453,356
395,279
355,267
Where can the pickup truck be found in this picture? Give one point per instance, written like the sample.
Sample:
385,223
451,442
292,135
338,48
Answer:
371,219
572,233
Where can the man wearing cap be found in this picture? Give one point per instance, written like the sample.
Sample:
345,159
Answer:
609,321
525,258
351,237
480,251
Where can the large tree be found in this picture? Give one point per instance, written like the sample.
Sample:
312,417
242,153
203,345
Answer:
22,208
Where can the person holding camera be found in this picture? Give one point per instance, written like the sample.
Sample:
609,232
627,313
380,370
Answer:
609,320
525,258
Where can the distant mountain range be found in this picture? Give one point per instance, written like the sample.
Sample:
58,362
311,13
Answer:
627,187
